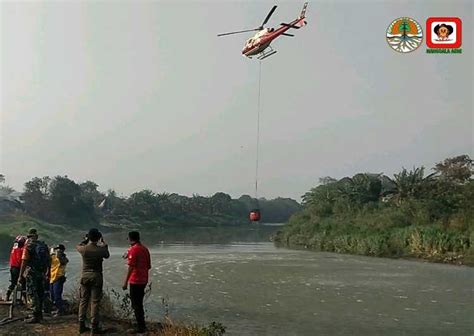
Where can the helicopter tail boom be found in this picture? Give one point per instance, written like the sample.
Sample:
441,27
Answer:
300,21
303,11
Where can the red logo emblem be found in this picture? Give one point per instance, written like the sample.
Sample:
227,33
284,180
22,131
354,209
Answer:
444,32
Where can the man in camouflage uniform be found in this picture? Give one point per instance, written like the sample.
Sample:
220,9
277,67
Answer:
36,268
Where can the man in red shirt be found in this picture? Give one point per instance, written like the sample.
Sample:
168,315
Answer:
139,263
15,264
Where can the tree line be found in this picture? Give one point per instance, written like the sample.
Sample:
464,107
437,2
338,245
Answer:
62,200
412,213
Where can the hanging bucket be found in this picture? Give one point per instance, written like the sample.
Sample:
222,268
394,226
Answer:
255,215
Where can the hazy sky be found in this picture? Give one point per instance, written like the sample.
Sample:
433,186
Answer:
141,94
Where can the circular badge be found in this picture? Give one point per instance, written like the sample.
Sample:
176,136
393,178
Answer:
404,35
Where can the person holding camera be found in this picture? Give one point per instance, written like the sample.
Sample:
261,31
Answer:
93,251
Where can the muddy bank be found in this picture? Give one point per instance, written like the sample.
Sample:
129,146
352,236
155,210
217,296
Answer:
66,325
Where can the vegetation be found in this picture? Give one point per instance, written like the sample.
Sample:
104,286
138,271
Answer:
116,306
61,200
411,215
13,225
5,240
4,189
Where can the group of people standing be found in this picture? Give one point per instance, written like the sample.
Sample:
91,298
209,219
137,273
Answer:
38,270
33,265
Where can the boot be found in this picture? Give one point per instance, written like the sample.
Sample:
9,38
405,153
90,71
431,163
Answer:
141,329
96,330
35,319
83,328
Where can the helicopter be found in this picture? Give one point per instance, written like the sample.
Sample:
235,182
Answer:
259,44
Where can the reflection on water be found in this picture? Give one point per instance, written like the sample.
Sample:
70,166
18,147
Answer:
204,235
257,289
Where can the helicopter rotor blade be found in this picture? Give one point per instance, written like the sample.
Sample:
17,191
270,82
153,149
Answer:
238,32
268,16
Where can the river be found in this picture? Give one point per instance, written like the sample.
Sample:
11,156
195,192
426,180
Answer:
258,289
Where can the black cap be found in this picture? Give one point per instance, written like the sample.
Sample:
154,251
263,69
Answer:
32,232
60,247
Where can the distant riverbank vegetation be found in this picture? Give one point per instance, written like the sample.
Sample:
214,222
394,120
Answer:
61,204
413,214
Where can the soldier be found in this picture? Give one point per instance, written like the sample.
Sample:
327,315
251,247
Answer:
35,261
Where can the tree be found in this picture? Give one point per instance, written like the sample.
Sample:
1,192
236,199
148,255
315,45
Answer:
4,189
36,197
114,205
144,204
457,170
410,183
364,188
89,193
220,203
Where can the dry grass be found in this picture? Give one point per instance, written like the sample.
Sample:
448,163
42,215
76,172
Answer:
173,328
116,306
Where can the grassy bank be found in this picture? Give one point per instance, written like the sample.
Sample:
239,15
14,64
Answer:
411,215
19,224
433,243
5,240
116,315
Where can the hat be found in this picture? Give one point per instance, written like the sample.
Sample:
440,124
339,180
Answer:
60,247
32,232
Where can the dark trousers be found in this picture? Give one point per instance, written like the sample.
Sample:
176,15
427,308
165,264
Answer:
14,275
57,293
137,293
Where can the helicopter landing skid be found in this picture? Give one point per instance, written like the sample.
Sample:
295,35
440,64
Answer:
264,55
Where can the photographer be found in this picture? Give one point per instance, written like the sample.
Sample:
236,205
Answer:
93,251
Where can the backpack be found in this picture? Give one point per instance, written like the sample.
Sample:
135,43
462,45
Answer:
39,254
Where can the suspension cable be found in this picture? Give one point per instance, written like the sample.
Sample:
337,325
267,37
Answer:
258,128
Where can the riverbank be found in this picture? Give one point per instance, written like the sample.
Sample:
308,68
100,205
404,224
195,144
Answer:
112,322
433,244
67,325
19,224
411,215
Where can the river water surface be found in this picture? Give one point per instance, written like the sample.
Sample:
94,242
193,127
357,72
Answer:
257,289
